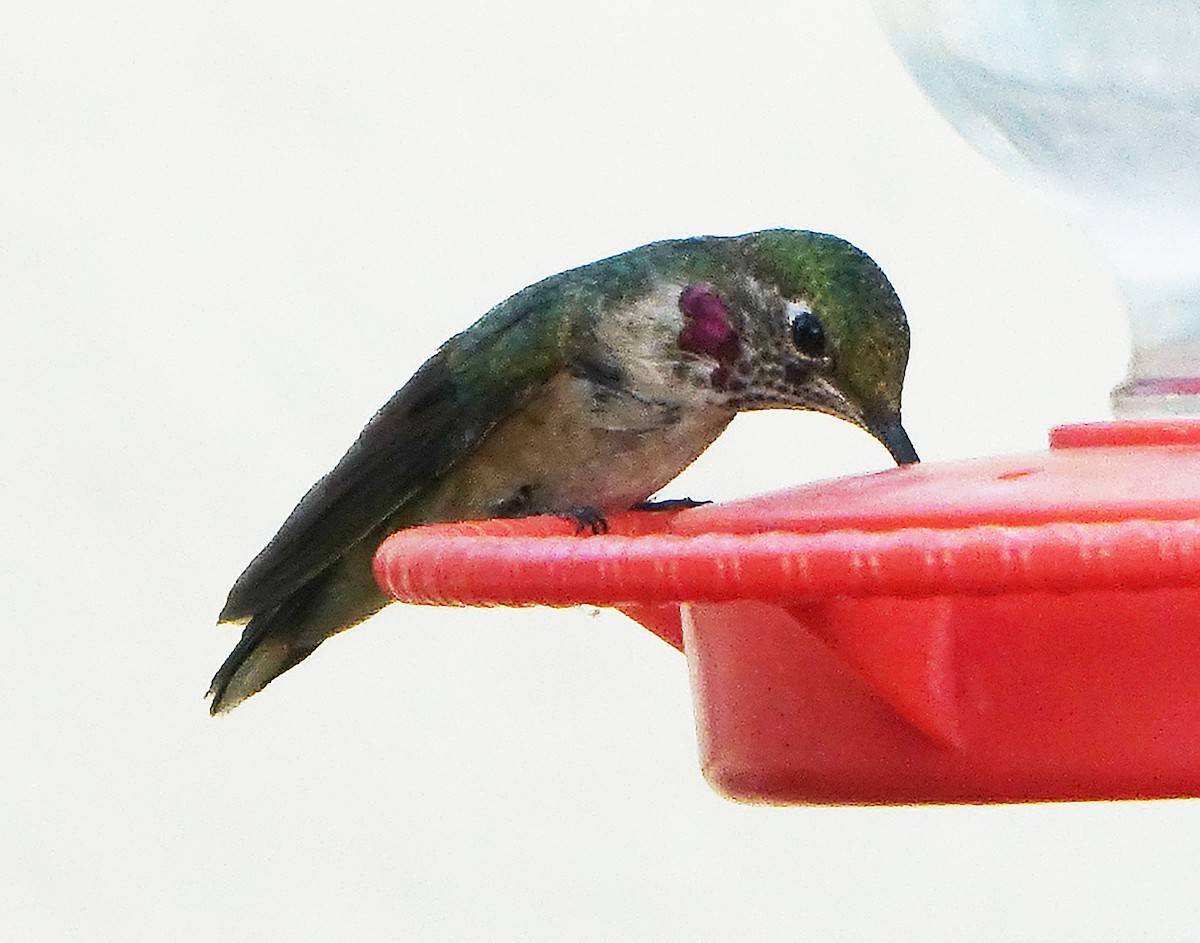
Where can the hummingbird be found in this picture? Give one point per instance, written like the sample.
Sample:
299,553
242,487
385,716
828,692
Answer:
579,396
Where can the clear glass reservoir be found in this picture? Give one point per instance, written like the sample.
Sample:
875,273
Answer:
1098,103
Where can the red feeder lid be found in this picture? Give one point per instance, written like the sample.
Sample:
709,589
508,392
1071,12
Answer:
969,605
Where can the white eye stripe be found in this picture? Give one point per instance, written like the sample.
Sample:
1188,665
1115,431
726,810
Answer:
796,309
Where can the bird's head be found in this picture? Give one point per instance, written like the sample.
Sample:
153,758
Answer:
804,321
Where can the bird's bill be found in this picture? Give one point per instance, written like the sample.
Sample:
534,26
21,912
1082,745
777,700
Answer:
896,441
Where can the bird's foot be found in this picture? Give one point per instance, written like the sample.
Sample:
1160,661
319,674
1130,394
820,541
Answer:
587,518
669,504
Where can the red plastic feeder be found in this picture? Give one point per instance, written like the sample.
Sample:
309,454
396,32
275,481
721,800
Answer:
999,630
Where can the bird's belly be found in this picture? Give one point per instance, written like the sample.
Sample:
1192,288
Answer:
565,450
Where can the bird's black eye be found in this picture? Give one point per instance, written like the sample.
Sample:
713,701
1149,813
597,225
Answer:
807,334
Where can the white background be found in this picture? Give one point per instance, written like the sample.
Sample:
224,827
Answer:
228,232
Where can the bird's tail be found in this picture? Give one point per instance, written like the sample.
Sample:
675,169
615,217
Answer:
283,634
269,646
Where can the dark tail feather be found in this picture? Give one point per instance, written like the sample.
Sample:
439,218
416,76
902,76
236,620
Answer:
281,636
269,647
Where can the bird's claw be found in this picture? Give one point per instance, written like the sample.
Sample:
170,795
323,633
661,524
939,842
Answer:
669,504
587,518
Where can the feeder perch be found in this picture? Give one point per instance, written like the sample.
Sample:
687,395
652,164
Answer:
997,630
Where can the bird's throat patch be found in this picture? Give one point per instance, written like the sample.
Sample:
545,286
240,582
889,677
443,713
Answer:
709,332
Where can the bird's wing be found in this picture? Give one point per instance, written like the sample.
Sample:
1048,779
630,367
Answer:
446,409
